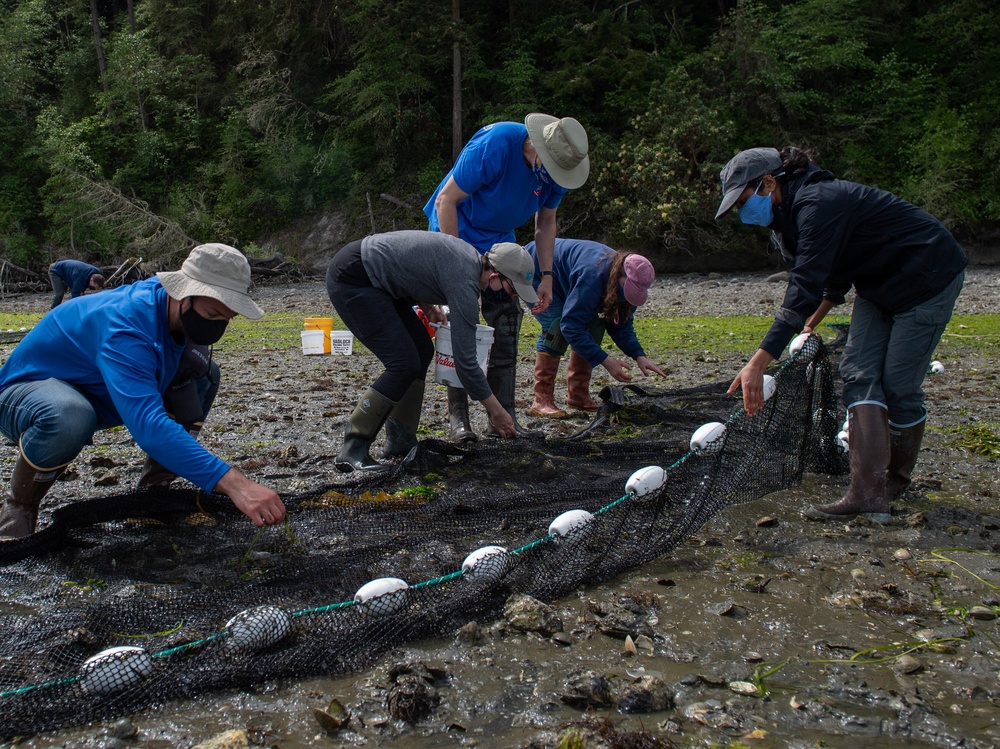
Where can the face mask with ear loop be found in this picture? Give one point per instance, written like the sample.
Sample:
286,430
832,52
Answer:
757,211
199,329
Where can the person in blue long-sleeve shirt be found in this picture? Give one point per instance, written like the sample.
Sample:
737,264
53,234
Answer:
595,290
111,359
75,276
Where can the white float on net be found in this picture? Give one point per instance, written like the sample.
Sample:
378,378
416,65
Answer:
115,669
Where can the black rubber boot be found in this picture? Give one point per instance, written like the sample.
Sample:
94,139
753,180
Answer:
28,485
401,426
868,432
460,430
362,427
905,447
153,473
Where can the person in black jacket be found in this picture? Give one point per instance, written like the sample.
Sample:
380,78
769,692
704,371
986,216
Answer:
907,271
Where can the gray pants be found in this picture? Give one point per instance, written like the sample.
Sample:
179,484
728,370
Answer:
59,288
886,356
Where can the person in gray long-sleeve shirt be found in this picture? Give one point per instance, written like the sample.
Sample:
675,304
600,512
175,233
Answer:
374,284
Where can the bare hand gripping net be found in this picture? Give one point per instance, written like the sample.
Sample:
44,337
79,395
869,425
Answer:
127,601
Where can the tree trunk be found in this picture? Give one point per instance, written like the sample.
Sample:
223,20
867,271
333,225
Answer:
456,85
102,64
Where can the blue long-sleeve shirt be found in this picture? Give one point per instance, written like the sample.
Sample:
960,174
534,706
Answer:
117,350
504,192
581,272
76,274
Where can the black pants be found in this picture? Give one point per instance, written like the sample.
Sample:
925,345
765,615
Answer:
388,327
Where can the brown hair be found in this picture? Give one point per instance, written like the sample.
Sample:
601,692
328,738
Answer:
611,301
795,161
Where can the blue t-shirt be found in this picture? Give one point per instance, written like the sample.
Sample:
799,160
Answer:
117,350
75,273
581,272
504,192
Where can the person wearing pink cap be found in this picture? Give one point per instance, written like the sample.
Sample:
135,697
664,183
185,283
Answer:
596,290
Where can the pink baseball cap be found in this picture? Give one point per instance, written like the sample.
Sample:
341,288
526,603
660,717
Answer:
639,276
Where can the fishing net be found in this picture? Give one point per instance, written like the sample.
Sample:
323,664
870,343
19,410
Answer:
127,601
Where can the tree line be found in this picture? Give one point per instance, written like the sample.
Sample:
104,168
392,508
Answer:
143,126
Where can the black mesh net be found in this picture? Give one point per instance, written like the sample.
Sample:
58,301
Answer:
127,601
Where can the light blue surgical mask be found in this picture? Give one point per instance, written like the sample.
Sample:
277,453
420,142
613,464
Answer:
757,211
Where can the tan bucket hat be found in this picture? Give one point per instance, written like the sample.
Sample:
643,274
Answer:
562,146
217,271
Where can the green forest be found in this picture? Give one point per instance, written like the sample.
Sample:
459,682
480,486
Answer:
144,126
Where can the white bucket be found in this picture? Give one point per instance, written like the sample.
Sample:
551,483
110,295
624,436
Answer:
444,363
312,341
341,342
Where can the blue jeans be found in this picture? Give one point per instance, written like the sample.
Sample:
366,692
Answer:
551,340
886,356
51,421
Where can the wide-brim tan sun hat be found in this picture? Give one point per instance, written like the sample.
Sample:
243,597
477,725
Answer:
562,146
217,271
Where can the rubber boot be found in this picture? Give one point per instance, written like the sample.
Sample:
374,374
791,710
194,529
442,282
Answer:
546,369
869,456
27,487
458,416
905,446
363,426
401,426
578,384
154,474
501,382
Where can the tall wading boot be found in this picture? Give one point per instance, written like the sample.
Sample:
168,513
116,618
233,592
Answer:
905,446
153,473
459,428
578,384
27,487
544,405
501,382
363,426
868,430
401,426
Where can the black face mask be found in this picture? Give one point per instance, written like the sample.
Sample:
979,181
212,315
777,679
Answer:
200,329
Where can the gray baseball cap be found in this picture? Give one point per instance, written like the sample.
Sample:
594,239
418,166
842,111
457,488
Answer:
743,168
513,261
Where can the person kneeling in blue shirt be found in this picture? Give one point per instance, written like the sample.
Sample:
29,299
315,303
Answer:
120,358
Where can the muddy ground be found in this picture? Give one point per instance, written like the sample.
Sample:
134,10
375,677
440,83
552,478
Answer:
765,629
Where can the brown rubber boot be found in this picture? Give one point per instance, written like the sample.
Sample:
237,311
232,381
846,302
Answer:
869,456
27,487
544,405
578,384
905,446
154,474
459,428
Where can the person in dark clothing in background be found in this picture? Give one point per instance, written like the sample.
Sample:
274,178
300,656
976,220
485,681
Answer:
74,275
907,271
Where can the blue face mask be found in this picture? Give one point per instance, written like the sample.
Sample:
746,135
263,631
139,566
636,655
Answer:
757,211
541,175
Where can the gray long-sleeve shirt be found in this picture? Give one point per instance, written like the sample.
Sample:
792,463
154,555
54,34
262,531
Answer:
434,268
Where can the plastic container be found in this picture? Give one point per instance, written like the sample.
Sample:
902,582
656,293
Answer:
444,362
341,342
315,342
324,324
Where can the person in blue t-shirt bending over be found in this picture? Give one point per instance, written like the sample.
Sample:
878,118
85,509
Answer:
116,358
74,275
507,173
